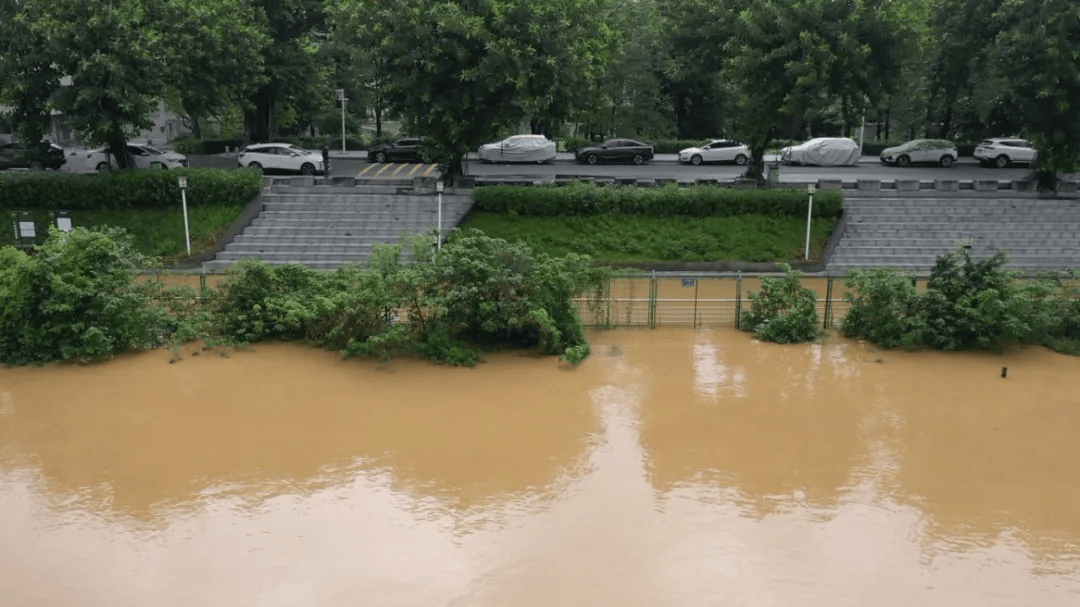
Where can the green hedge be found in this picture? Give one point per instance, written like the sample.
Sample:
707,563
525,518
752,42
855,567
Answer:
116,190
664,201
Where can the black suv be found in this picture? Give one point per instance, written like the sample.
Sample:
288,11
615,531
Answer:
45,156
407,150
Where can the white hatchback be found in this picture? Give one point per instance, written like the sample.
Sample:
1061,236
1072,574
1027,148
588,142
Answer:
720,150
1000,152
145,157
281,157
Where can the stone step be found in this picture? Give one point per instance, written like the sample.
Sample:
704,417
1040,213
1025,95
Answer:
297,256
365,189
352,226
957,202
929,258
219,265
903,250
1060,226
364,231
976,241
342,206
307,240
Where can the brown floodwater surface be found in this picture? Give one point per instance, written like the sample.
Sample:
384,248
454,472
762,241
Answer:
673,467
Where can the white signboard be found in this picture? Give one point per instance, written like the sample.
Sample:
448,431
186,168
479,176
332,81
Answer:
26,229
63,224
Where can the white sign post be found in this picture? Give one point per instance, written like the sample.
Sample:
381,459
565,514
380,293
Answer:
438,232
183,198
809,212
342,99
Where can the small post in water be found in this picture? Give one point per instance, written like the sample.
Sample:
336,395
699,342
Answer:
1004,371
809,212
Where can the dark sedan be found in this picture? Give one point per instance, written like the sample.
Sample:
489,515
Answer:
45,156
403,150
616,150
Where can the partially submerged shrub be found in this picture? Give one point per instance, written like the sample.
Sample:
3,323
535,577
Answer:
478,291
968,303
884,308
784,311
77,298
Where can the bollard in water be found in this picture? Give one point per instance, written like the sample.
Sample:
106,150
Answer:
1004,371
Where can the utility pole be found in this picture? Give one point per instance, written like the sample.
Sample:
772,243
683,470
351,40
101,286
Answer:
342,99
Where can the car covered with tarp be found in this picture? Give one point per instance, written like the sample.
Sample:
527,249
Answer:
519,148
823,151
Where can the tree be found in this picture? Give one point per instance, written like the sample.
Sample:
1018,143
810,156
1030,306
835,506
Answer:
1035,60
458,72
781,58
216,55
27,75
292,63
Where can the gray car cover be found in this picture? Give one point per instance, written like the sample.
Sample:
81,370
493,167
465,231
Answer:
520,148
824,151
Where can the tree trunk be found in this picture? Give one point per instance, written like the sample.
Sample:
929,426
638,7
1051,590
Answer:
946,124
196,128
755,168
887,124
378,119
260,119
117,144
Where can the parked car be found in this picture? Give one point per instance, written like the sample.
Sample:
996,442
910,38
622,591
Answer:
281,157
921,151
46,156
720,150
1000,152
823,151
616,150
407,149
145,157
519,148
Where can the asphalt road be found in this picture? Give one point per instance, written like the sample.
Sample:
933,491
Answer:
965,169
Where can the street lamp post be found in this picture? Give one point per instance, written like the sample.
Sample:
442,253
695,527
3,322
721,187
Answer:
183,198
809,211
438,232
342,99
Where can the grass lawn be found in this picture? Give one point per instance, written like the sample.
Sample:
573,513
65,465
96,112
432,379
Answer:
640,238
156,232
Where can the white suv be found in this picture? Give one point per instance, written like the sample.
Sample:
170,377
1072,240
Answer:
1000,152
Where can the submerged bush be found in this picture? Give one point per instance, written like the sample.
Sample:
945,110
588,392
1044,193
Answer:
784,311
884,308
77,298
477,291
968,303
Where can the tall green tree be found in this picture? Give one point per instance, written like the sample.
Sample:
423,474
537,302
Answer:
786,57
114,54
459,71
216,55
294,68
28,76
1036,60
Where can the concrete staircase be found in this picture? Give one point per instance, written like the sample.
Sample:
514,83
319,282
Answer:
910,232
326,226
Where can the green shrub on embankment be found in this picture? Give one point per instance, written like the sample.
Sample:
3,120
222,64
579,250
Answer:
968,304
78,298
665,201
118,190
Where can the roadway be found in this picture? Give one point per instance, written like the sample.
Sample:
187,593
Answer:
869,168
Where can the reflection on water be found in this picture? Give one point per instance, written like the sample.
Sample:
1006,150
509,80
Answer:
674,467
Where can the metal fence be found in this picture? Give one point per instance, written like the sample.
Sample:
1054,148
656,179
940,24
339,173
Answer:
697,300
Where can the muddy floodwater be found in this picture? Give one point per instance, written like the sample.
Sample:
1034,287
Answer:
675,467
